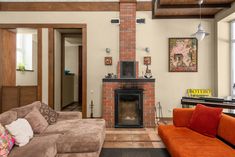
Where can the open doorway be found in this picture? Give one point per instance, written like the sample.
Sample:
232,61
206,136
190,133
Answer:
70,70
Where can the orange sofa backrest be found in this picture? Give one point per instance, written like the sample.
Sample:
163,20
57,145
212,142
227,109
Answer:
226,129
182,116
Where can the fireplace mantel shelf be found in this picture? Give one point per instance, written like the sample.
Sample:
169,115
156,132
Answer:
128,80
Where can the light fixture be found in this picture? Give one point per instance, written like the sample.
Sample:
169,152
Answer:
108,50
147,49
200,34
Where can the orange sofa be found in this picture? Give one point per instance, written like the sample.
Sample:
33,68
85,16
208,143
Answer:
181,141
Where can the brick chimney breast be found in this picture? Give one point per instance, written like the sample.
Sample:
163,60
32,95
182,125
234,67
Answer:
127,30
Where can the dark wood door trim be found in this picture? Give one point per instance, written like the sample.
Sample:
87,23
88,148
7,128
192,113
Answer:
39,64
51,71
80,74
84,72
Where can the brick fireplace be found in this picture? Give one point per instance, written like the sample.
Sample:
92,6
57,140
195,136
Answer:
133,110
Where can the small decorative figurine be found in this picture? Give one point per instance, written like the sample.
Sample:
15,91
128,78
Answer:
148,73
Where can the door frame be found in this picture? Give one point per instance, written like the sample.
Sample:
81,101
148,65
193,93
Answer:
51,56
63,36
39,52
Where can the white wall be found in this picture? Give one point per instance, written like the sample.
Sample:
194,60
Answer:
57,87
29,77
71,63
170,87
45,65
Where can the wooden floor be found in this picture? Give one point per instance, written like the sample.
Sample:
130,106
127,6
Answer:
133,138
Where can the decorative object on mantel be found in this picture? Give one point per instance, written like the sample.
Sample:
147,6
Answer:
201,33
147,60
110,75
148,73
92,104
183,55
108,61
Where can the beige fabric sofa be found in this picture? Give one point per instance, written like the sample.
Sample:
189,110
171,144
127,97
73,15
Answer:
70,136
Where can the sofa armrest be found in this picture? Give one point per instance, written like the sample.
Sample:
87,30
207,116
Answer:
182,116
69,115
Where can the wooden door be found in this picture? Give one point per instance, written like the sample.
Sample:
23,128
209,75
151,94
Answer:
7,59
80,75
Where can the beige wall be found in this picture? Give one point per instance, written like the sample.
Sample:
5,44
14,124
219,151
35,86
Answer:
71,63
170,87
223,51
223,59
45,65
57,86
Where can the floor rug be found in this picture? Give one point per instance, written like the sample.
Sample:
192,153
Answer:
134,152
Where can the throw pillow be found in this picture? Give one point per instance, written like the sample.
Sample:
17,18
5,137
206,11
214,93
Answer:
21,131
205,120
6,142
48,113
37,121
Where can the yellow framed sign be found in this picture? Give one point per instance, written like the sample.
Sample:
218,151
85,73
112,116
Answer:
199,92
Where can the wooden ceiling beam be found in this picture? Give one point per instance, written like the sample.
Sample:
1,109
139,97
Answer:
204,5
216,6
182,16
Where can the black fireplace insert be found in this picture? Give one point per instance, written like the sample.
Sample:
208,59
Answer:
128,108
127,69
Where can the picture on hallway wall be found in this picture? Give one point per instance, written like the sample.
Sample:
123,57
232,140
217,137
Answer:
183,55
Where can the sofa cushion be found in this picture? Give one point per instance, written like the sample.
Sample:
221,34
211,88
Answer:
205,120
184,142
227,123
37,121
23,111
8,117
79,135
43,146
48,113
21,131
6,142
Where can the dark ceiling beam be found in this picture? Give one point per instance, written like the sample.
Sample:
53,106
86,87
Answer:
216,6
182,16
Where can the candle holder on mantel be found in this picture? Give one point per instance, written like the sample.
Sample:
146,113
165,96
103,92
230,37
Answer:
92,104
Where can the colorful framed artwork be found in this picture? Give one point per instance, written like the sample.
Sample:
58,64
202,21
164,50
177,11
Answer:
183,55
147,60
108,61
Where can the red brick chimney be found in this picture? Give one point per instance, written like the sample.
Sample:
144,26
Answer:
127,30
127,33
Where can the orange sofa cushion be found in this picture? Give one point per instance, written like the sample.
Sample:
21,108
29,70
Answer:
226,129
205,120
183,142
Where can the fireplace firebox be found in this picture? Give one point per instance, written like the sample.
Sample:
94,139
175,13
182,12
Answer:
128,108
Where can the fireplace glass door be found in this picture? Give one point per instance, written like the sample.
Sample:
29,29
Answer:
129,108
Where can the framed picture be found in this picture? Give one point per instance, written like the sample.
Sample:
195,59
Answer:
183,55
147,60
108,61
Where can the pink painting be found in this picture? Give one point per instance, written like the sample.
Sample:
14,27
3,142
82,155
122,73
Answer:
182,54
